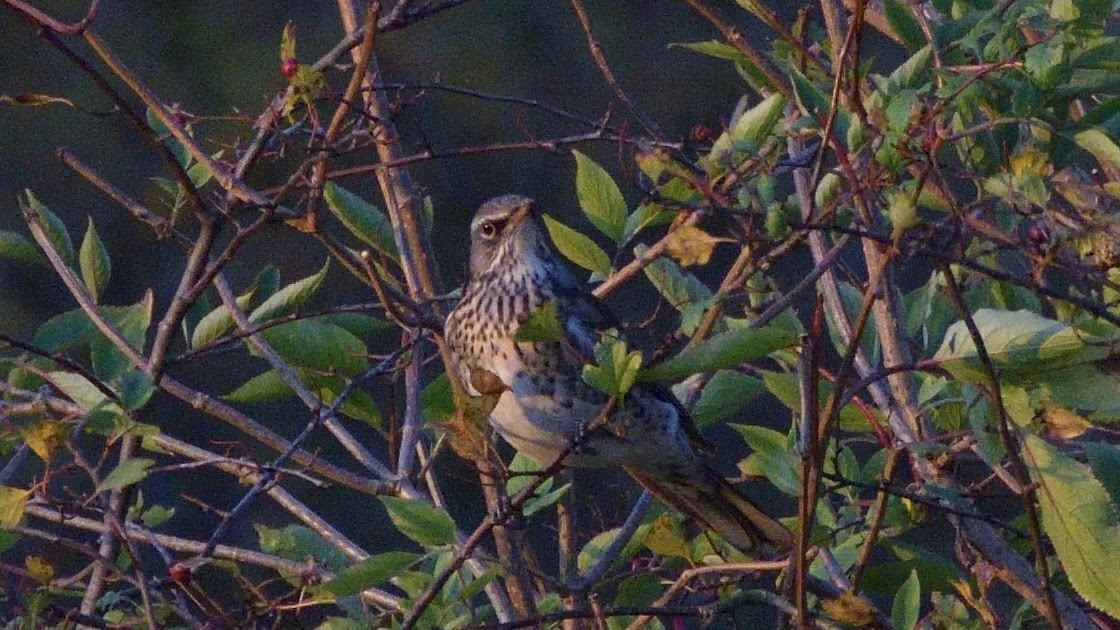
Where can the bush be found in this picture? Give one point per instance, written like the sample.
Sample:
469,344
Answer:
947,352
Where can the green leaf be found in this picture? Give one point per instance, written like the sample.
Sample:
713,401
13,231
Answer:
578,248
902,21
907,603
421,521
156,515
1019,343
750,129
180,152
436,400
78,389
772,457
109,363
363,219
15,247
726,393
342,623
357,323
680,288
263,388
595,547
126,473
600,197
1104,459
271,387
816,103
52,226
1100,145
287,300
299,543
727,350
200,174
616,367
637,590
543,325
1081,521
194,315
135,389
544,495
317,345
12,503
372,571
215,323
647,215
713,48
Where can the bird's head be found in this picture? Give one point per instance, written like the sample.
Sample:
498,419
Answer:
507,228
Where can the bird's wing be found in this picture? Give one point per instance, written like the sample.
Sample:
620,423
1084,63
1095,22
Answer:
585,319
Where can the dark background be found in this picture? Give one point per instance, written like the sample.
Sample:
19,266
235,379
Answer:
221,58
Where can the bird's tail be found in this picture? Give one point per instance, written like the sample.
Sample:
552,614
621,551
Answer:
702,494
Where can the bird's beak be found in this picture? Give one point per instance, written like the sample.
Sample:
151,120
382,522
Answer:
520,213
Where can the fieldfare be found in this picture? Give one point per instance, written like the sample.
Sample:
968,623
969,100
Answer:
544,404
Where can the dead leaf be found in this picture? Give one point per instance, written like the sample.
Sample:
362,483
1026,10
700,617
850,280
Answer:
690,245
1063,423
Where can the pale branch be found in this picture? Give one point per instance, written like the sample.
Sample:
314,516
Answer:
618,543
49,22
322,414
196,399
269,474
402,203
142,535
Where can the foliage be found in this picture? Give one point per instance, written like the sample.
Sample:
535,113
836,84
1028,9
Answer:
950,336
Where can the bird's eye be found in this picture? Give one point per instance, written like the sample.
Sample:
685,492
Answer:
488,230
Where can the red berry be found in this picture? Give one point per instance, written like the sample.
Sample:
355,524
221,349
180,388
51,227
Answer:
289,66
1038,234
179,572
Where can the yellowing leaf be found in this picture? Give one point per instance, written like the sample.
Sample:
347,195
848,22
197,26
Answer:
1031,162
1100,145
665,538
12,502
45,438
850,609
39,569
288,42
1063,423
690,245
35,100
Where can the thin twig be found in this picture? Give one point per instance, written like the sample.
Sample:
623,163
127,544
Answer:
618,543
596,50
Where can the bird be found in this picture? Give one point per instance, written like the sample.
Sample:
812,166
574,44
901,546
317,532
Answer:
544,407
